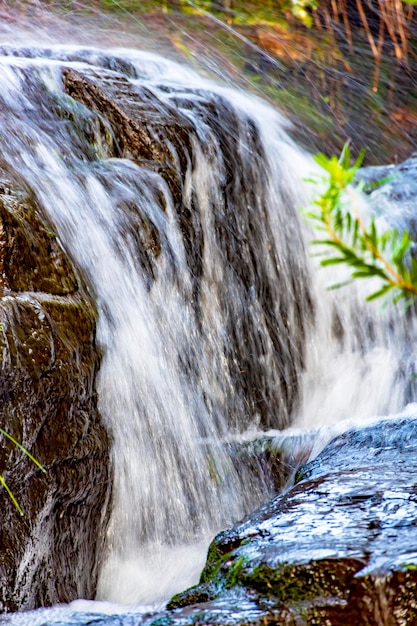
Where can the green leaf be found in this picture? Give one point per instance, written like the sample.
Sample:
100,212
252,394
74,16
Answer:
412,567
364,273
343,283
322,160
11,495
381,292
368,252
326,242
16,443
332,261
32,458
374,184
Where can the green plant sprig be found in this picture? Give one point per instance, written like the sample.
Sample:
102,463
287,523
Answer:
32,458
368,252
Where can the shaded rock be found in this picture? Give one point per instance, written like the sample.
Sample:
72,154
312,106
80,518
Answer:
48,362
266,308
338,548
273,457
150,132
30,256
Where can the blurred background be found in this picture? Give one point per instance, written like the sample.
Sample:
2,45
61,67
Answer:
338,69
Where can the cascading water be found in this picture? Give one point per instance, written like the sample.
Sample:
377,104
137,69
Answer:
185,228
168,386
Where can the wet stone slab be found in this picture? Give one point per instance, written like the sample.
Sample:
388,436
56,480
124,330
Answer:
337,548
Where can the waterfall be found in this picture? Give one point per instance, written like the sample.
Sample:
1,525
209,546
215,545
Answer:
211,320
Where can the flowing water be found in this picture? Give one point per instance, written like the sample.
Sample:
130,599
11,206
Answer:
221,327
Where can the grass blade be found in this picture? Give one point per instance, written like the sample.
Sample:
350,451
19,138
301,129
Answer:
10,492
19,445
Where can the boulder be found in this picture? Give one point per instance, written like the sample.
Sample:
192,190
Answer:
337,548
48,360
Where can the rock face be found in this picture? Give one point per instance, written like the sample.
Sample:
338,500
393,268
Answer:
264,308
48,361
337,549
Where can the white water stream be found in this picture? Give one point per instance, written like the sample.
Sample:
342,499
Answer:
175,484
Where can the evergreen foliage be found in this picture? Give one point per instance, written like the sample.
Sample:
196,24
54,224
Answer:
347,239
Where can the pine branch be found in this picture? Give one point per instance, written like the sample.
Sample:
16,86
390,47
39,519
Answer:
367,251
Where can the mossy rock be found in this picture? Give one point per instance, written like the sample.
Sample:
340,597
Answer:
337,548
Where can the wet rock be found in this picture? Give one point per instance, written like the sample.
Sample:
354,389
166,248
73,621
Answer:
143,128
273,457
31,258
337,548
265,310
48,362
148,131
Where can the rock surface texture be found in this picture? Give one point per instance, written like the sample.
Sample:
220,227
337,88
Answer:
395,198
338,548
48,361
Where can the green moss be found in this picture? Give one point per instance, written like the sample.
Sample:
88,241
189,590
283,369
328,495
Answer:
164,620
411,567
234,574
212,569
226,572
296,583
193,595
215,560
287,582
